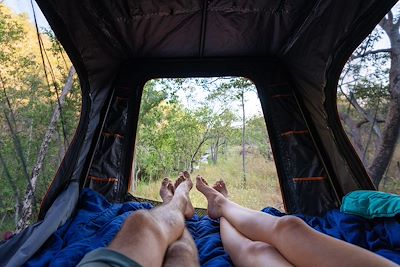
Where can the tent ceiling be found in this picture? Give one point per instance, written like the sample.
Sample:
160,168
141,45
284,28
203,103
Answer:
175,28
101,34
108,32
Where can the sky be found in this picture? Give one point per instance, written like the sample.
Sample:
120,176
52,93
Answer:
24,6
252,102
194,96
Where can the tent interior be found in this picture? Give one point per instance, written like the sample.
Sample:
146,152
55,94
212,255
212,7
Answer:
293,51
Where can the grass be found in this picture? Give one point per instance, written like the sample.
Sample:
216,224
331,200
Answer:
390,185
391,181
261,188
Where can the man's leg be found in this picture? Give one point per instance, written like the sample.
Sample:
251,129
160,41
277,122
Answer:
146,235
183,252
295,240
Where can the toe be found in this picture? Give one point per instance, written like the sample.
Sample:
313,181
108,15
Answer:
186,174
171,187
179,180
165,181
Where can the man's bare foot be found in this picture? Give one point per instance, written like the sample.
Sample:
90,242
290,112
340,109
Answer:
167,190
182,181
214,197
220,186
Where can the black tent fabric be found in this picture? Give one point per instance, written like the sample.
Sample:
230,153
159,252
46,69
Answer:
309,40
294,51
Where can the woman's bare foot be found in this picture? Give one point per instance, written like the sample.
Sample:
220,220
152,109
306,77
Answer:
220,186
167,190
180,184
214,197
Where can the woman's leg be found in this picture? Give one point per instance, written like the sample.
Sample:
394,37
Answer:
243,251
295,240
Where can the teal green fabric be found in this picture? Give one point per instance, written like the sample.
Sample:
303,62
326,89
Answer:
371,204
104,257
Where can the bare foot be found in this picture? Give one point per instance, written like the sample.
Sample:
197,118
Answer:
213,196
220,186
184,180
167,190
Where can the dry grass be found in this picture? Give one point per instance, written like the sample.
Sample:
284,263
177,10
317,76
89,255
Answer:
391,182
261,188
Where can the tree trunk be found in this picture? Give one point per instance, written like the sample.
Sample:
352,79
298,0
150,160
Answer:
27,205
391,129
13,186
215,158
214,151
243,140
197,150
61,147
388,142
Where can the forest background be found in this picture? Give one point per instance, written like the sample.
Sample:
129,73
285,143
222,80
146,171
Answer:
207,126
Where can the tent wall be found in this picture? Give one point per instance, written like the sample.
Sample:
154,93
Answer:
109,170
306,181
312,39
315,57
307,188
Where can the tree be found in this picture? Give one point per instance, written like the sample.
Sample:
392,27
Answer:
173,136
221,131
380,111
258,136
28,203
234,89
27,101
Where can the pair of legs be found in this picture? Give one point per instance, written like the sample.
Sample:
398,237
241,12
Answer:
158,237
254,238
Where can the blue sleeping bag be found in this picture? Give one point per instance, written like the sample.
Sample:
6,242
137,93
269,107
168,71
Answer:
97,221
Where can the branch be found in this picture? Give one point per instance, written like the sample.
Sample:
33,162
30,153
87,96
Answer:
363,112
366,115
366,121
371,52
204,139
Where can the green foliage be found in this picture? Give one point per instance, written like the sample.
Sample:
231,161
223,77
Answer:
173,136
230,89
27,103
168,133
257,136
